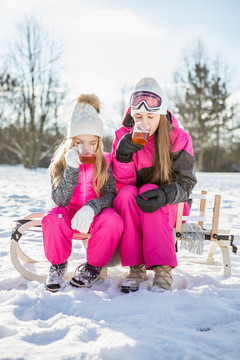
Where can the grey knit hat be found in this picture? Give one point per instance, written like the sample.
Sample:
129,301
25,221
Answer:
150,84
85,118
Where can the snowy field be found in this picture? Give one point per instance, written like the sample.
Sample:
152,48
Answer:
200,319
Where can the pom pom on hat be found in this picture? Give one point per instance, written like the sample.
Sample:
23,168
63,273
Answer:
90,99
85,118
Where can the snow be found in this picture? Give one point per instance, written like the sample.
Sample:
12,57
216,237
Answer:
199,319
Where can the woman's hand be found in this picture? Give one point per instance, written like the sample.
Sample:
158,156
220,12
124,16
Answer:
72,158
126,148
151,200
82,219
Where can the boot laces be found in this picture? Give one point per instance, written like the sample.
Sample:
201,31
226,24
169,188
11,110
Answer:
137,272
163,276
87,271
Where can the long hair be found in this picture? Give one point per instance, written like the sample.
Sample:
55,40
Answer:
162,164
58,165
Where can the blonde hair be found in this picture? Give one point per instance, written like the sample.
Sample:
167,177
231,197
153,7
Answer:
162,164
58,165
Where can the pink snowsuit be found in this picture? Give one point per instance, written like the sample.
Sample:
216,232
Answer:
148,238
105,230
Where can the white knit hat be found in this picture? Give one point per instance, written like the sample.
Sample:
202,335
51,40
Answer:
151,85
85,118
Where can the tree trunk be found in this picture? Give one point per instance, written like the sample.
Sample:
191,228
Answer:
200,162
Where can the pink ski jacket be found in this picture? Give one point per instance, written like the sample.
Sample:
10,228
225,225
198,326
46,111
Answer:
139,169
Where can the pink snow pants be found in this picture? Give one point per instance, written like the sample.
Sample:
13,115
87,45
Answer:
106,230
148,238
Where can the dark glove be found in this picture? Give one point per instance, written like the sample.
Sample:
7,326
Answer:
151,200
126,148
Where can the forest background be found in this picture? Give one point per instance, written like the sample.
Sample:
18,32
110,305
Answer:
36,100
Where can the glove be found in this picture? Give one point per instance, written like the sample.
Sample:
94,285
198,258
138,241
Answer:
72,157
126,148
151,200
82,219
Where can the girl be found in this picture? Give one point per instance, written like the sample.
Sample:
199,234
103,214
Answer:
83,193
152,179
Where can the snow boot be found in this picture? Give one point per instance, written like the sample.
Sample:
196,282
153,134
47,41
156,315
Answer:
163,278
137,274
85,275
56,276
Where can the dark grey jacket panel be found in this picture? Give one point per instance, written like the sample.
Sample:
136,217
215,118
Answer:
62,194
184,178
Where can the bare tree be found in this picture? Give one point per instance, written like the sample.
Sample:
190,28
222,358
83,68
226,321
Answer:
122,104
7,87
34,60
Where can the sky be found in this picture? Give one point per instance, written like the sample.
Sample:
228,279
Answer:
110,45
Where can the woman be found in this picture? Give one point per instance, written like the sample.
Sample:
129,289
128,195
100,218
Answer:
83,190
152,180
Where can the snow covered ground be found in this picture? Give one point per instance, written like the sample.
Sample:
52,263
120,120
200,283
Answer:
200,319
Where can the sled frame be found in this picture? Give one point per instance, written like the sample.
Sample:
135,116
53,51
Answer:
217,240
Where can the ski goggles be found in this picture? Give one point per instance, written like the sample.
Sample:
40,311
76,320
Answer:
151,101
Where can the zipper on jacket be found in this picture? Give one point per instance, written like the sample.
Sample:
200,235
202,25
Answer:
84,185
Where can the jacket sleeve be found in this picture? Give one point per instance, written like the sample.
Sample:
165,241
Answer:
62,194
124,173
107,196
183,166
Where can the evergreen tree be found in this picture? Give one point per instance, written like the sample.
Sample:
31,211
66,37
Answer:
203,106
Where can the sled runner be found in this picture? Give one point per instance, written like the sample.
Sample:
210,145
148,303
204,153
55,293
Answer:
19,257
190,230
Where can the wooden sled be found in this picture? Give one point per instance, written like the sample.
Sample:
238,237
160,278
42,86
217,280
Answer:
222,240
218,238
